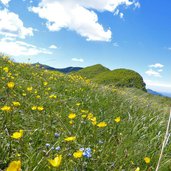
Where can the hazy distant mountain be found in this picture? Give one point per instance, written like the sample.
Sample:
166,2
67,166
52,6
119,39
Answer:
154,92
63,70
166,94
159,93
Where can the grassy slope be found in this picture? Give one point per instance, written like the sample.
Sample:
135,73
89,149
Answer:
117,146
118,77
121,78
92,71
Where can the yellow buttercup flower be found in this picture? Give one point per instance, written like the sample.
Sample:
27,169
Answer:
70,138
38,97
16,104
93,120
90,115
6,69
78,104
71,122
14,166
6,108
24,94
10,84
56,161
29,88
147,160
40,108
102,124
71,115
45,83
17,135
117,120
83,116
78,154
137,169
34,108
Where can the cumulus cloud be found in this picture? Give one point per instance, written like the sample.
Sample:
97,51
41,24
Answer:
78,59
12,47
165,87
5,2
12,26
79,16
53,47
115,44
156,65
151,72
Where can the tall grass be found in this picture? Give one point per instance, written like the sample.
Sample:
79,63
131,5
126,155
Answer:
47,99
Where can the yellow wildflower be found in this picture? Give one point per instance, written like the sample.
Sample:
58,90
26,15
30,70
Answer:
38,96
90,115
71,122
16,104
84,116
102,124
24,94
29,88
56,161
6,69
17,135
137,169
117,120
45,83
70,138
78,104
40,108
14,166
6,108
147,160
10,84
78,154
93,120
34,107
71,115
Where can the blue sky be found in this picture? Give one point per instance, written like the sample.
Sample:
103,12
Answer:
133,34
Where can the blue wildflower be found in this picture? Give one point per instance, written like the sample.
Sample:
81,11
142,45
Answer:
57,135
87,153
47,145
58,148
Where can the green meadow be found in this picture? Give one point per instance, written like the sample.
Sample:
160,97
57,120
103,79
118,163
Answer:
51,121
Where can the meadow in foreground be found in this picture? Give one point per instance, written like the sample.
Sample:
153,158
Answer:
51,121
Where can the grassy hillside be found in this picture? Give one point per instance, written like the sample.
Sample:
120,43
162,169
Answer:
118,77
45,115
121,78
92,71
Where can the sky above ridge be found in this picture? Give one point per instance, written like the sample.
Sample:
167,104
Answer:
133,34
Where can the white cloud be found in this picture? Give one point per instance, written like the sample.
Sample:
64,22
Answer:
151,72
53,47
12,26
121,15
117,12
13,47
78,16
78,59
5,2
137,5
115,44
157,65
160,70
165,87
